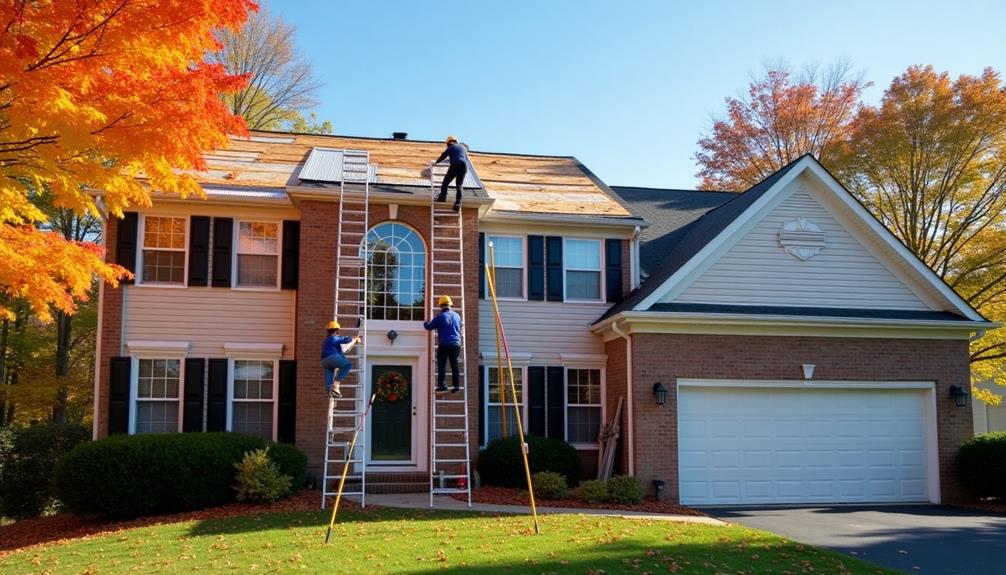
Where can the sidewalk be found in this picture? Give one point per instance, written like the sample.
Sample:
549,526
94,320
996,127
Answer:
422,501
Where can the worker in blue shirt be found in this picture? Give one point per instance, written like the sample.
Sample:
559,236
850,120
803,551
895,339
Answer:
448,326
457,171
332,358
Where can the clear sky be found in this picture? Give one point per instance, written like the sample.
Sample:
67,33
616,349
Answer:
627,87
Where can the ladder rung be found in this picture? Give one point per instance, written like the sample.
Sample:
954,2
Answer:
438,476
442,460
449,400
344,461
449,489
455,445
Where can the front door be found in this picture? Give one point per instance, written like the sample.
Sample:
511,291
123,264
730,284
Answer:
391,418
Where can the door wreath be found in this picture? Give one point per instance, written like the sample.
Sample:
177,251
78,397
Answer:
391,387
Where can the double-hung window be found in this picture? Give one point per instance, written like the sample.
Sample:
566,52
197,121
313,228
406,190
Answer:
158,387
583,405
494,415
508,257
163,250
253,404
583,269
258,254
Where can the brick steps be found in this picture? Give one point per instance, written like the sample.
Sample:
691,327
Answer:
404,482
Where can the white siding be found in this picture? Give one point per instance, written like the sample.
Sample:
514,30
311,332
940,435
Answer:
543,329
757,271
210,317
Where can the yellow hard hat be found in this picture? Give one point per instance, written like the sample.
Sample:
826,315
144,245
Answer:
450,139
333,325
445,300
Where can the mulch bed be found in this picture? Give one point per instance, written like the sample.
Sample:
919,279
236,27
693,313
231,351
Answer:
509,496
61,527
996,506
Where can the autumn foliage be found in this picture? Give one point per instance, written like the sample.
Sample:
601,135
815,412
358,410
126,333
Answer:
112,97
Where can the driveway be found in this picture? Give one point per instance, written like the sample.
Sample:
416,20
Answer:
929,539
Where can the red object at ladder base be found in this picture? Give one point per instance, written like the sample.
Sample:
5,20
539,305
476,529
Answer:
463,481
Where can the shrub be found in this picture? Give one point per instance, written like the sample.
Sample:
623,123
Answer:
501,463
981,462
291,461
593,491
133,475
26,474
625,489
549,485
259,479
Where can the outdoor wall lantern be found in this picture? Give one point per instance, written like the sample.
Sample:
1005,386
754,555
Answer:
660,392
659,485
392,335
960,396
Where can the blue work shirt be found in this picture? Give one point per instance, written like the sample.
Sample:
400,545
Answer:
448,326
333,345
456,152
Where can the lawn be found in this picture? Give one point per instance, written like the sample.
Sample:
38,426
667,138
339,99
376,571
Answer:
414,541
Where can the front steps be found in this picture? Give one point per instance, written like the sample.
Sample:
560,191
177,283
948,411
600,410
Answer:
398,482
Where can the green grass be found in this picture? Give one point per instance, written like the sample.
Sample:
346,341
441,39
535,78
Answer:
412,541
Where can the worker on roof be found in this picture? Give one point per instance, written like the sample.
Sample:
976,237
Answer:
459,168
332,358
448,326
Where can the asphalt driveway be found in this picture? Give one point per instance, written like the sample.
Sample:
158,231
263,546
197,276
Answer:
929,539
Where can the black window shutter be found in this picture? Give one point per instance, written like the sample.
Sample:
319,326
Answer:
223,240
482,265
125,245
536,268
192,411
291,254
216,413
556,405
553,261
536,400
286,426
119,369
613,270
199,250
483,405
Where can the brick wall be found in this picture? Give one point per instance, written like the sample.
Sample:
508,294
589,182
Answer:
667,357
111,328
615,387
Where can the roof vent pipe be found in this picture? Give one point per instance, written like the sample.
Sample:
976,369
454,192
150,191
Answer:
399,135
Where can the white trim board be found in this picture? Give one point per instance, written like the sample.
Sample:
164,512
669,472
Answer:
807,384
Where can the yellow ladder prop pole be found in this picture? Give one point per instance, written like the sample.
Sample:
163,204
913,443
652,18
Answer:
500,380
345,468
491,277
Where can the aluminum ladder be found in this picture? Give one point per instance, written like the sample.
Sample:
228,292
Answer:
450,457
351,298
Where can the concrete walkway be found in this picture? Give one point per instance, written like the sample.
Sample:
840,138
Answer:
422,501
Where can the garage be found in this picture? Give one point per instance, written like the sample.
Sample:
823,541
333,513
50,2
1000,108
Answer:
757,443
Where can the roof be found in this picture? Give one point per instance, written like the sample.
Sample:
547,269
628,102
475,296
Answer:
669,212
917,315
517,182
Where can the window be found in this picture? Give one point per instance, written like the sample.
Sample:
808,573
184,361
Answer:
163,250
258,254
583,269
396,270
583,405
157,396
252,404
508,253
494,415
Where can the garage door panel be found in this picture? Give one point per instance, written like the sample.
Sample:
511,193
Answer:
754,445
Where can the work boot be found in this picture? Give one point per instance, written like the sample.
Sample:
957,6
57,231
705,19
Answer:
441,388
457,206
442,198
334,393
456,389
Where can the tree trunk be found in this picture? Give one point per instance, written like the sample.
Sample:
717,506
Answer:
64,327
4,336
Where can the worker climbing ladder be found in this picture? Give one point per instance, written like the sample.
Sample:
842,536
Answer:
450,469
351,299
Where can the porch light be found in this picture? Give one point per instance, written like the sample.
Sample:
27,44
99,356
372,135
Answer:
960,396
392,335
660,392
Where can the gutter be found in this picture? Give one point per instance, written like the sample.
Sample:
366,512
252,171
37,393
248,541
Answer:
497,215
630,440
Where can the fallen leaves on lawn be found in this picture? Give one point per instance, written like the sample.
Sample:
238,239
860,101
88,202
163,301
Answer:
508,496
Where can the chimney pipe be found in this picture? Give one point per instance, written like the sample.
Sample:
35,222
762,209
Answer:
399,135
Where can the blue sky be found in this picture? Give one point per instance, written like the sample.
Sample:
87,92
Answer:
627,87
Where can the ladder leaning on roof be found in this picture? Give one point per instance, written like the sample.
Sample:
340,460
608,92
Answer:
450,461
351,298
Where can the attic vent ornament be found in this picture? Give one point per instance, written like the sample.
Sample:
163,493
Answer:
801,238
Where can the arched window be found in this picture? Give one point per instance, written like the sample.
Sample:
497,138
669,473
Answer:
396,270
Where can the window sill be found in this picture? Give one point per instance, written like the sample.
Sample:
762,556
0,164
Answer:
256,288
160,285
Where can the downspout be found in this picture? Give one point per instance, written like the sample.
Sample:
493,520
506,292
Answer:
978,335
630,440
97,343
634,259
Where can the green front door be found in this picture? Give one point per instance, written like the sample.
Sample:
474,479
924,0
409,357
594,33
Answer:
391,418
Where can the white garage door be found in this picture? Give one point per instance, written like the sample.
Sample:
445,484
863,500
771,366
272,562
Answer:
760,445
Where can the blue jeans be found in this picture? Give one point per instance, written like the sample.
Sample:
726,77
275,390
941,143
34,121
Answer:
332,363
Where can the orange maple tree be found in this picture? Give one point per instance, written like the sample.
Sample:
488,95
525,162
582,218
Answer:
101,98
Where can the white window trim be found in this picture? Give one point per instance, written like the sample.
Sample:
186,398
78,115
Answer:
524,402
600,270
134,383
523,264
230,392
141,237
566,405
236,239
427,261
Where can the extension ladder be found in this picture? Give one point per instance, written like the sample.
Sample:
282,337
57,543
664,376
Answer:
450,459
351,298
